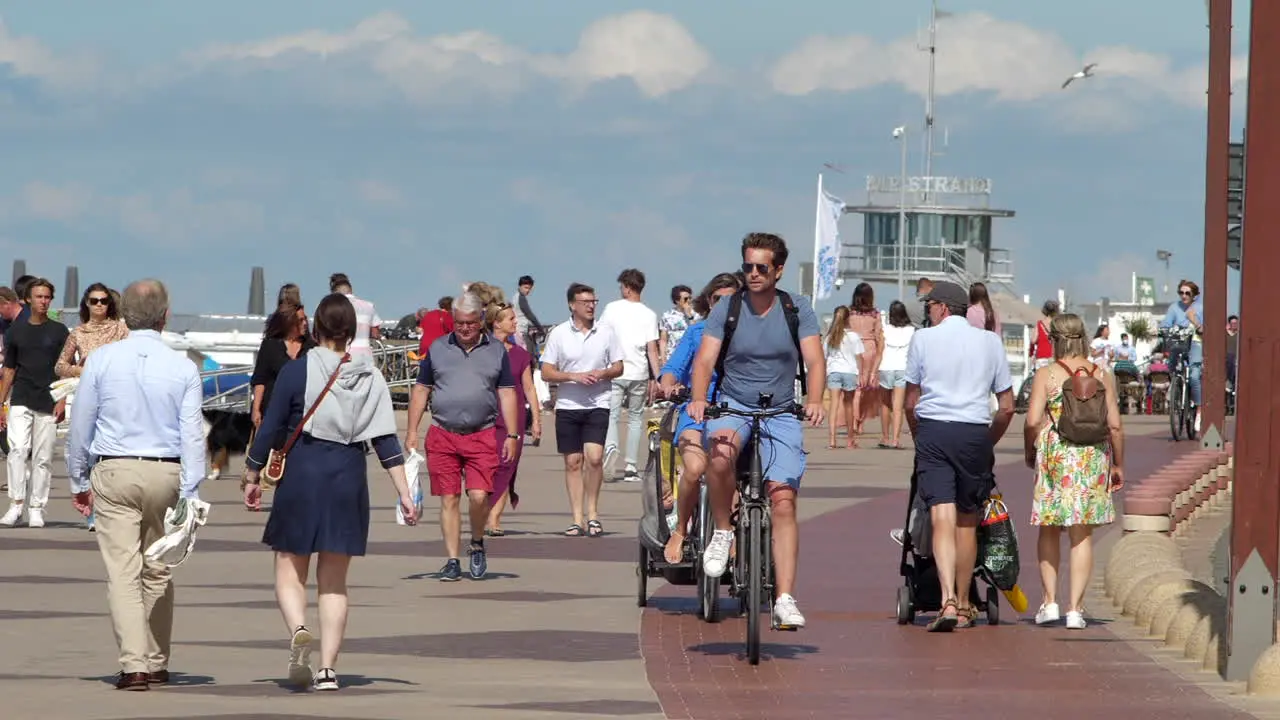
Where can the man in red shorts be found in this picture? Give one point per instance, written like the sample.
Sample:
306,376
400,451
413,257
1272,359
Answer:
466,376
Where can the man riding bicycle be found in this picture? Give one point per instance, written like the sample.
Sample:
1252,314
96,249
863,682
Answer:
760,360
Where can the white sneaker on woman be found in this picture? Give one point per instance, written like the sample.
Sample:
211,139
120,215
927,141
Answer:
1075,620
1047,614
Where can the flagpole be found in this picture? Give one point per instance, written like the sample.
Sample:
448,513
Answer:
813,291
1133,292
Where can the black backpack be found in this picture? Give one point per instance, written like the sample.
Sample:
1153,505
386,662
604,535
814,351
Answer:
789,311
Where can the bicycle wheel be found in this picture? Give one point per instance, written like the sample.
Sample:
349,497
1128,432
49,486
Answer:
1189,413
1174,402
708,587
755,580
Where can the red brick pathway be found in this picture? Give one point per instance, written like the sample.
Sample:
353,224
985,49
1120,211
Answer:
854,661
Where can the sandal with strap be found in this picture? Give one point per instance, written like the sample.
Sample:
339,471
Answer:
966,617
944,622
574,530
594,529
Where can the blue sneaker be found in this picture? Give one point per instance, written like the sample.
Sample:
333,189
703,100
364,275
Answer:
479,563
452,571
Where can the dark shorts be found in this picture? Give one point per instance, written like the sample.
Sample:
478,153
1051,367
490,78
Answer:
954,463
576,428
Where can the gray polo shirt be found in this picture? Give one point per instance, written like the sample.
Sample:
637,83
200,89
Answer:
464,384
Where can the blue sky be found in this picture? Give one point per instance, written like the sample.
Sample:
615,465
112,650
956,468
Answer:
416,145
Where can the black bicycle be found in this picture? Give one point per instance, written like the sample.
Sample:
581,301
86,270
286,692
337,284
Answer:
1182,413
753,570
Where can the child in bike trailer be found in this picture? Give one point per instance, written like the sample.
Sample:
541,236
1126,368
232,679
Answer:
676,374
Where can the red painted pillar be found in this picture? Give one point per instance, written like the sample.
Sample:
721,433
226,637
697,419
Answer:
1255,512
1213,386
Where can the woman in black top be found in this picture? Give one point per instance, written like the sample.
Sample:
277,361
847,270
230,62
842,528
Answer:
286,338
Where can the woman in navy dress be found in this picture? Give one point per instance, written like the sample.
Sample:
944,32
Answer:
321,506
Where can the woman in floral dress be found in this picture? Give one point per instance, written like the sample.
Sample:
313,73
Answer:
1074,483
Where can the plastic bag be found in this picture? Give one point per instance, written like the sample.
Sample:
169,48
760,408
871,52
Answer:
998,544
180,525
412,473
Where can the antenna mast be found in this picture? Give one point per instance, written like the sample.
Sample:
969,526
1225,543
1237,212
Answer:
928,102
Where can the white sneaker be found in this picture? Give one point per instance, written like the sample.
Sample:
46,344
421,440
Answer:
300,657
786,616
631,474
1047,614
35,518
326,680
12,517
1075,620
715,559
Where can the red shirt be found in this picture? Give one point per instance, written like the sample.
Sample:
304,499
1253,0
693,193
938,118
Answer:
435,325
1043,346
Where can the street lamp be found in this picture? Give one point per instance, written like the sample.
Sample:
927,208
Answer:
900,134
1164,256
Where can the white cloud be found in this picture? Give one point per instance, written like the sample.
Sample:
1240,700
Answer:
980,53
654,51
175,219
51,202
26,57
377,192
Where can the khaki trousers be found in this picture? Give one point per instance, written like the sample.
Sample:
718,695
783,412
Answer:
130,499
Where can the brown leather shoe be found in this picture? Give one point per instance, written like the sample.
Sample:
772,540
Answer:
132,681
160,677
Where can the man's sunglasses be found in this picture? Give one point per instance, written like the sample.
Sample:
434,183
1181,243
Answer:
759,268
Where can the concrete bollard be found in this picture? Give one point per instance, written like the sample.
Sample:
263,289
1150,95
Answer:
1148,584
1174,590
1188,618
1134,548
1264,678
1207,631
1129,576
1163,617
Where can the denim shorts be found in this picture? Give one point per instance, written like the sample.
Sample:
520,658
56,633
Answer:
893,379
782,452
841,381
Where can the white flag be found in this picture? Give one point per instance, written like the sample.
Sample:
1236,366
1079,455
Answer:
826,240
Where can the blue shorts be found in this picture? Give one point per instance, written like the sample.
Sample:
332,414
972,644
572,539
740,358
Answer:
890,379
782,452
842,381
684,422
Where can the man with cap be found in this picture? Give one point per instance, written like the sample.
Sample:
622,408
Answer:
952,368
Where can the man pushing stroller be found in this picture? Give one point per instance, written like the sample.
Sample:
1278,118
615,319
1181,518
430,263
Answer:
952,369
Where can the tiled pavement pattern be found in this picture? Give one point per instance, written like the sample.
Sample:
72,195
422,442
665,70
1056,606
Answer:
554,632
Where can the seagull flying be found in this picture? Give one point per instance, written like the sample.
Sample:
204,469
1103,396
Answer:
1087,72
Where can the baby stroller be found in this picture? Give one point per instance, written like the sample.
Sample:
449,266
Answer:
920,592
1130,387
658,482
1158,381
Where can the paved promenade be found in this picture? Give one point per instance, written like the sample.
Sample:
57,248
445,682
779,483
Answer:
554,632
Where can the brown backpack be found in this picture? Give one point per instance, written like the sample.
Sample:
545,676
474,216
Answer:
1083,420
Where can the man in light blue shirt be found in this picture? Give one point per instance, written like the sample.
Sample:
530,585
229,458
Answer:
952,369
137,439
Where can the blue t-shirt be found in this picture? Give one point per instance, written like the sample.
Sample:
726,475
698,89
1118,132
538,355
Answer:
680,362
761,358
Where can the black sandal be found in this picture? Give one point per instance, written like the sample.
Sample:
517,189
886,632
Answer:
574,530
944,622
594,529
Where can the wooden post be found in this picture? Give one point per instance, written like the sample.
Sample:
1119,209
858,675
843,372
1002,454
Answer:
1213,377
1255,512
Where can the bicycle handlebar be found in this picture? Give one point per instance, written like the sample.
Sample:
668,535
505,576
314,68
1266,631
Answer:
722,409
1177,332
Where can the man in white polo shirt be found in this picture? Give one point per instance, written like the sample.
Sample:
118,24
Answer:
952,368
583,357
